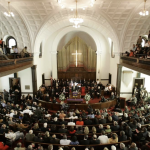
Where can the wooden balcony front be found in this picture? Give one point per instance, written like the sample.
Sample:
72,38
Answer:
139,64
9,66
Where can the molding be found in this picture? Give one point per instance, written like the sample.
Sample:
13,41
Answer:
125,92
15,70
26,92
105,79
144,71
53,52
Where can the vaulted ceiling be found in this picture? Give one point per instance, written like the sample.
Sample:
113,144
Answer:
118,19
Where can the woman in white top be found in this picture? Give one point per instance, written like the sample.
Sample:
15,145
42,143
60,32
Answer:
12,49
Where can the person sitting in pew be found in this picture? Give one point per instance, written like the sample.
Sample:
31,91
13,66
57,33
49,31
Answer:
95,140
88,121
64,141
103,138
30,136
54,140
74,141
85,141
62,129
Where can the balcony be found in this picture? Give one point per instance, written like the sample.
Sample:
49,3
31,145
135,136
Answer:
138,64
9,66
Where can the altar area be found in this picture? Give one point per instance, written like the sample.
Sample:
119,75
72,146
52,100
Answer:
75,97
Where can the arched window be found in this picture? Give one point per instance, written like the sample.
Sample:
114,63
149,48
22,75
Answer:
11,41
40,51
111,47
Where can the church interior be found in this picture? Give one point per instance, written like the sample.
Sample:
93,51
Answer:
74,74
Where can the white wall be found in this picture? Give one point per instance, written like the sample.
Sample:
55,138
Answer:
4,82
127,88
113,69
25,79
147,82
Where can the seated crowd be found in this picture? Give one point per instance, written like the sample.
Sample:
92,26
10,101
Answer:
14,50
138,51
31,126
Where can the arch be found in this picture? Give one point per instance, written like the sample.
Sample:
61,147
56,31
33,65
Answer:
61,34
13,41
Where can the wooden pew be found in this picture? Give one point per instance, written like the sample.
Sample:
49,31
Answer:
78,147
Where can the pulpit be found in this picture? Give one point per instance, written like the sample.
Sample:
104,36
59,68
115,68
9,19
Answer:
74,94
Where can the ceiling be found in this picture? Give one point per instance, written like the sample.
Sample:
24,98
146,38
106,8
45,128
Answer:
118,19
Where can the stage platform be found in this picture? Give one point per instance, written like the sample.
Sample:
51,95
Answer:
57,107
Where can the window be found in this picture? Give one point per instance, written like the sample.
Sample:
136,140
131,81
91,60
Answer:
11,41
40,51
111,47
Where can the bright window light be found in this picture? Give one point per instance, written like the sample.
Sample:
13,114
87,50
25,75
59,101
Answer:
12,42
143,42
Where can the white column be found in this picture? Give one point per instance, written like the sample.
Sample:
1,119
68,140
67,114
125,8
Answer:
98,66
54,64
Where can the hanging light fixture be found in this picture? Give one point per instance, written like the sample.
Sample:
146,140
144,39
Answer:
144,12
76,20
9,13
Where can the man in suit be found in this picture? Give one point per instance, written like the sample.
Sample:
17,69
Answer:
6,95
38,112
88,121
54,140
122,136
3,129
74,88
54,100
92,92
103,99
85,141
100,129
57,92
133,146
62,129
98,92
102,120
115,126
47,98
30,136
63,122
115,117
54,83
44,128
28,97
123,147
95,140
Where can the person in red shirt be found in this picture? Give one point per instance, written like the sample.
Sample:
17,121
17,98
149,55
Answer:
80,122
72,130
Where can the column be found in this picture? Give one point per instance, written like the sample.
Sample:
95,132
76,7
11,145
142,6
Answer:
54,64
34,79
15,75
98,66
119,73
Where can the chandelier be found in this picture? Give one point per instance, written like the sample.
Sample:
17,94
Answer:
144,12
9,13
76,20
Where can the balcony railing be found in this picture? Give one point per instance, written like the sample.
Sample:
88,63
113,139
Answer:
136,62
10,65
